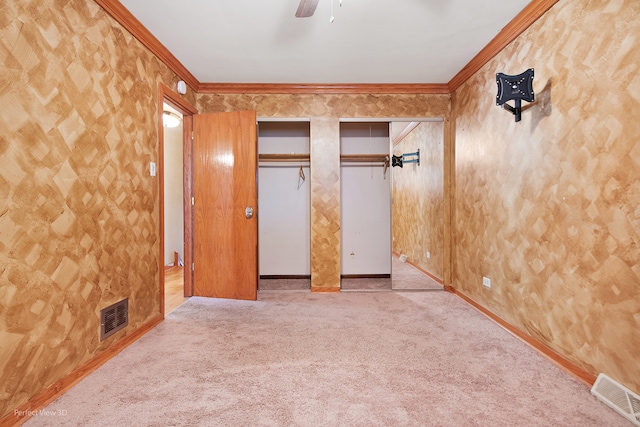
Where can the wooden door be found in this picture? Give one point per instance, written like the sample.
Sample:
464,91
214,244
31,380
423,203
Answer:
225,246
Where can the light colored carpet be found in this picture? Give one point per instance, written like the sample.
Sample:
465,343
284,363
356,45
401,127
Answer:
347,359
284,284
405,276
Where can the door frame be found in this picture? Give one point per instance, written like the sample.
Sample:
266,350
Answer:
165,94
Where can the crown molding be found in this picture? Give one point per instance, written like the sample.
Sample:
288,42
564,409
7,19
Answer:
530,14
311,88
122,15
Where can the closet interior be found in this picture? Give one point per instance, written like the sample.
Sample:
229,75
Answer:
365,179
284,202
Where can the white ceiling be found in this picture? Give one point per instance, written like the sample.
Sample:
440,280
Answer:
370,41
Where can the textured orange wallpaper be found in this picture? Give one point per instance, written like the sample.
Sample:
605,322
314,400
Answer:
325,112
548,207
337,106
78,209
418,199
325,204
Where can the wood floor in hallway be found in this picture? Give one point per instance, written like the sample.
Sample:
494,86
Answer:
173,288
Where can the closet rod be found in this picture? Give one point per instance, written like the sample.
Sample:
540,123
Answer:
365,158
284,157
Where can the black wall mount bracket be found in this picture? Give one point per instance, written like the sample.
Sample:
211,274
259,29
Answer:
518,88
406,158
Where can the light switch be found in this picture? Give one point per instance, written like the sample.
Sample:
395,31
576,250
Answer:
152,169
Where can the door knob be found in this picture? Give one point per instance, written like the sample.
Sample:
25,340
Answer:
248,212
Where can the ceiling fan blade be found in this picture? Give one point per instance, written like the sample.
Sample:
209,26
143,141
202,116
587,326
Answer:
306,8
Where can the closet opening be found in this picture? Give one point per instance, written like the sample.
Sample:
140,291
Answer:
284,205
365,203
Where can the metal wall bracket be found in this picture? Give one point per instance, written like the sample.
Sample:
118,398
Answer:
406,158
518,88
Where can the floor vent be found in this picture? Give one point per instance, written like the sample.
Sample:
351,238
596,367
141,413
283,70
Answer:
114,318
621,399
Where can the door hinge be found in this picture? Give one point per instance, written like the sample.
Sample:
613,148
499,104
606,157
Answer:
193,266
192,135
193,201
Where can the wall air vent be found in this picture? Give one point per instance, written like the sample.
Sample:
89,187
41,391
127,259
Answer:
621,399
114,318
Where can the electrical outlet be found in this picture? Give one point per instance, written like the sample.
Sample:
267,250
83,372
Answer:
486,282
428,254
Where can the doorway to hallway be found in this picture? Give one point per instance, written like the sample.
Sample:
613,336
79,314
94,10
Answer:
173,180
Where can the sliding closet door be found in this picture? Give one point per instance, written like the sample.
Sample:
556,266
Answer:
365,200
